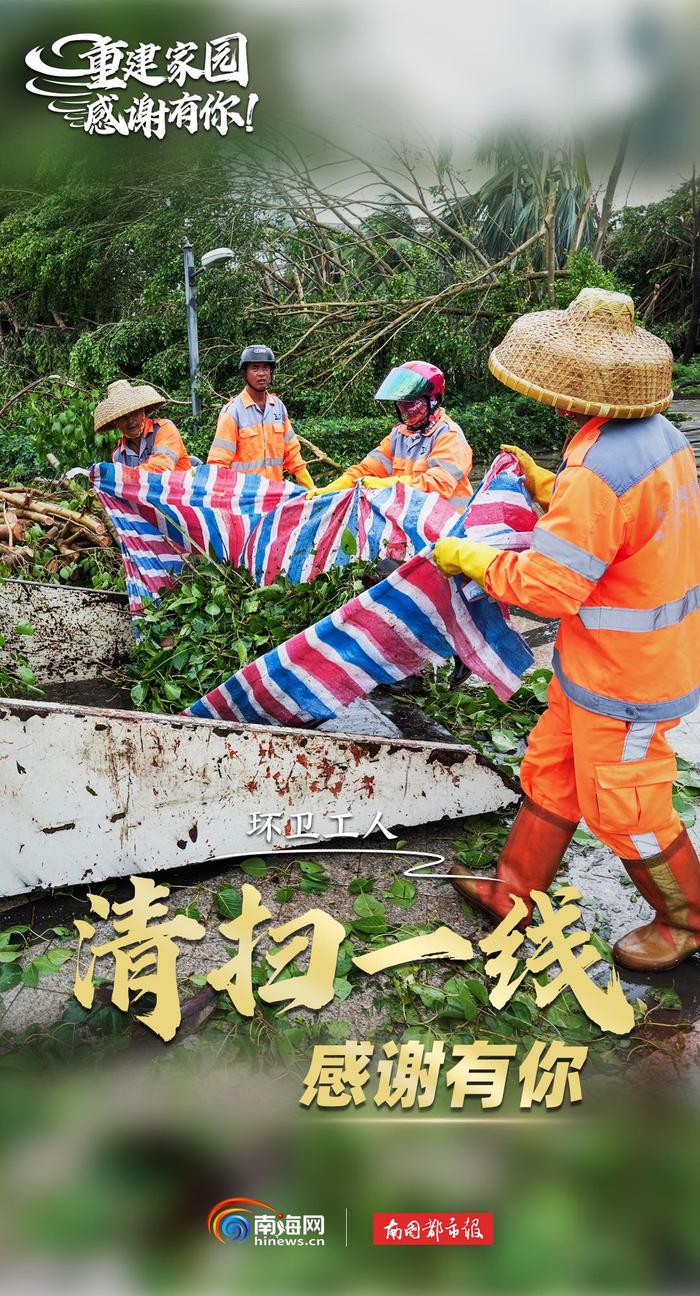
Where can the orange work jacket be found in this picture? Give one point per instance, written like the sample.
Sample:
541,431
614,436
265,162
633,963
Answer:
161,449
252,440
438,459
617,558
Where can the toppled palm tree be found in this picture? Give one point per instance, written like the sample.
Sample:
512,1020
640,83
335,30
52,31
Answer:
526,184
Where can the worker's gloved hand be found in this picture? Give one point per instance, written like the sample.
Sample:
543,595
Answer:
341,483
539,481
379,483
464,558
304,478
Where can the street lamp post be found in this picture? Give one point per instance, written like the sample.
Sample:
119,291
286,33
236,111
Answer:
218,256
192,330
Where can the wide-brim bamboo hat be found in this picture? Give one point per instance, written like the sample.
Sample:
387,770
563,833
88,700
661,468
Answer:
123,399
588,359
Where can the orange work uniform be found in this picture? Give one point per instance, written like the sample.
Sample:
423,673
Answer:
250,439
439,459
160,449
617,559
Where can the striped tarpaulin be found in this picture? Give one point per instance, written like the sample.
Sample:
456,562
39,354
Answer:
267,527
414,618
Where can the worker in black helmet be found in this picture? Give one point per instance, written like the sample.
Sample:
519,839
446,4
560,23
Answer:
254,434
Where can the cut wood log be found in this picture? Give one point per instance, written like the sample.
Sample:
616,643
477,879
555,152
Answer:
48,507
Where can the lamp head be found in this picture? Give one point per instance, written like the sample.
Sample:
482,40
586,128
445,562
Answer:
218,256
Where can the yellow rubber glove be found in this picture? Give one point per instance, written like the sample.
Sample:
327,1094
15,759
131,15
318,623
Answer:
378,483
464,558
304,478
539,481
341,483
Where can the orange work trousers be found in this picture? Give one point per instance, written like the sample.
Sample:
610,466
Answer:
616,775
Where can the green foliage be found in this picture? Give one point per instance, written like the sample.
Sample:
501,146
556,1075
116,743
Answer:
650,248
17,967
228,902
401,893
509,419
583,271
17,679
487,834
346,439
53,419
58,420
97,568
19,459
93,272
686,791
686,378
497,729
92,289
216,620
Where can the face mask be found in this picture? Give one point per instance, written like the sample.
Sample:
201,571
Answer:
413,411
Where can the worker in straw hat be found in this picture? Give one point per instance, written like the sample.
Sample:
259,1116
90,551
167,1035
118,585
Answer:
145,442
616,557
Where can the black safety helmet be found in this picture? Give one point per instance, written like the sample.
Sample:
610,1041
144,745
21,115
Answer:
257,355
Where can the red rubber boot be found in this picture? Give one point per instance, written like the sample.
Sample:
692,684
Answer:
529,861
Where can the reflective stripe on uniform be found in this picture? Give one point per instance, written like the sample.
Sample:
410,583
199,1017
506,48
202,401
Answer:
641,620
164,450
437,461
251,415
382,459
411,447
637,741
453,469
646,843
262,440
414,445
568,554
632,449
251,465
622,710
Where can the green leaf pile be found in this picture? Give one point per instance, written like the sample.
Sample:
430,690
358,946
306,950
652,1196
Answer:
215,620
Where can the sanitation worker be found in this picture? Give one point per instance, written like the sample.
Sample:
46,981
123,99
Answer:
254,434
616,557
145,442
424,449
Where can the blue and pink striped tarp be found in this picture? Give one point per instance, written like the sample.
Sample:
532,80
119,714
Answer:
414,618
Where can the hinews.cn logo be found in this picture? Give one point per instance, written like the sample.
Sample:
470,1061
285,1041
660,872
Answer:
240,1219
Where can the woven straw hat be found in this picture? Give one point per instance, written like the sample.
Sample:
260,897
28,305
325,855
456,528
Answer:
588,359
122,399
